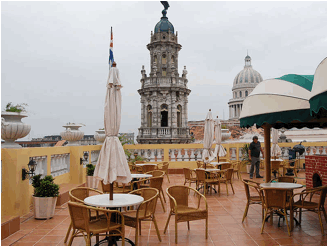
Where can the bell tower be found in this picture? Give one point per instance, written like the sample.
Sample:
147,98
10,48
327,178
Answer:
164,94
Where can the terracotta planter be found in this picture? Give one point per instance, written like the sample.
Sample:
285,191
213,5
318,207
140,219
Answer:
44,207
92,182
12,129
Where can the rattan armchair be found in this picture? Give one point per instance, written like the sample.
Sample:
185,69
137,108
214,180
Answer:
78,195
165,168
183,212
306,202
207,179
148,168
83,227
251,199
236,169
227,179
284,180
275,199
117,188
190,176
145,211
156,173
225,166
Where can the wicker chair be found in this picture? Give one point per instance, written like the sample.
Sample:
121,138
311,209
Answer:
207,179
145,211
190,176
165,168
250,198
139,168
78,195
284,180
148,168
236,169
275,166
182,210
200,164
227,179
305,202
287,166
156,173
275,199
81,224
116,188
225,166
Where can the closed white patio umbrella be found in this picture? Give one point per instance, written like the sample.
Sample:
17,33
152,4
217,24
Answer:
219,149
112,164
207,155
275,149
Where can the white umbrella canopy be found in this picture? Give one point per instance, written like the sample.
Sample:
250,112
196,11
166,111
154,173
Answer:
112,164
275,149
219,149
208,138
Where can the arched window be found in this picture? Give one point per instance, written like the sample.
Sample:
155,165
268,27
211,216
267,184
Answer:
172,59
240,94
164,72
246,93
155,59
164,115
149,116
164,58
235,94
179,116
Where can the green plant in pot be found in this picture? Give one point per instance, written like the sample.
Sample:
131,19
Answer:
45,196
245,157
91,181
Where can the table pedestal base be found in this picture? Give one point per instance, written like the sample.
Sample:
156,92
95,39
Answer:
112,241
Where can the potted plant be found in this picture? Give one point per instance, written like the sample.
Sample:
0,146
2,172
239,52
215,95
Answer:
12,127
91,181
245,157
45,196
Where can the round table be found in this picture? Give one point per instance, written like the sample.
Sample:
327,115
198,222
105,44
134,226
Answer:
281,185
138,175
148,164
119,201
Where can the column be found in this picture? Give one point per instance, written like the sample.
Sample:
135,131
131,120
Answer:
267,152
143,114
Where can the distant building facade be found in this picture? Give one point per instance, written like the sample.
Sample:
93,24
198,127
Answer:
243,84
164,94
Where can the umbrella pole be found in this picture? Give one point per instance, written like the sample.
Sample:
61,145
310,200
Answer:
266,128
111,191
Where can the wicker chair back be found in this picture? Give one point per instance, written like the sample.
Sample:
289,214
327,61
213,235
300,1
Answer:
156,173
156,182
79,215
187,173
139,162
228,174
148,206
80,193
225,166
200,174
180,194
148,168
275,198
286,179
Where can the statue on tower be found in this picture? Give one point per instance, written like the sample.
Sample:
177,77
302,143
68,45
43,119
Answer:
166,6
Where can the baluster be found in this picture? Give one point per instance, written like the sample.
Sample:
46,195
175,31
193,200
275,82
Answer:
192,155
173,155
183,154
159,155
179,157
199,154
152,155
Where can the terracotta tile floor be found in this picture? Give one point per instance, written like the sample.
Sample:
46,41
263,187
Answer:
225,227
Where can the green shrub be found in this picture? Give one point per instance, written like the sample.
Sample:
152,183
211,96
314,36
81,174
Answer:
45,187
90,169
15,108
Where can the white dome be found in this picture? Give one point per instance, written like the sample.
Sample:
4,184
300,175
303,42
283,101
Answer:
248,77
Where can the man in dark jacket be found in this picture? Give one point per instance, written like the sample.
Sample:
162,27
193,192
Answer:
254,155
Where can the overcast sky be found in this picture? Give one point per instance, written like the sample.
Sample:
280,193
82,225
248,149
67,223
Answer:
55,54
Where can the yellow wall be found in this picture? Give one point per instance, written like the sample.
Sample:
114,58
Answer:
16,195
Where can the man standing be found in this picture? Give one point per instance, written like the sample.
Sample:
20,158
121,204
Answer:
254,156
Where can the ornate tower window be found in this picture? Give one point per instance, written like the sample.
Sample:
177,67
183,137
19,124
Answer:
172,59
164,58
155,59
149,116
164,72
164,115
240,94
179,116
246,93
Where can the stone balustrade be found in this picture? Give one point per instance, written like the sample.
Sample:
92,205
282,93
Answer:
60,164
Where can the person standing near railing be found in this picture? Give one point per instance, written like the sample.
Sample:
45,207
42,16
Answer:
254,155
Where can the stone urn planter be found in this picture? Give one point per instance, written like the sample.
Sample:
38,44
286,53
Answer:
72,134
225,134
100,136
44,207
12,128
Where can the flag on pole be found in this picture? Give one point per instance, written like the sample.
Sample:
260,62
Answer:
111,55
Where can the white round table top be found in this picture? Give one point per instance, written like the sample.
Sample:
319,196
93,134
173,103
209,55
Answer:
276,160
146,164
137,175
119,200
220,163
212,170
281,185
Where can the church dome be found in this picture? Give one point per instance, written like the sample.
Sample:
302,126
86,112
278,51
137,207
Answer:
164,25
248,76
